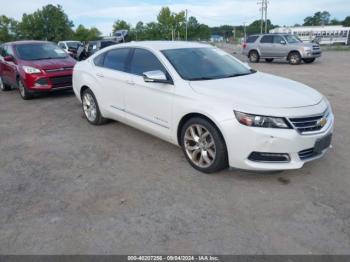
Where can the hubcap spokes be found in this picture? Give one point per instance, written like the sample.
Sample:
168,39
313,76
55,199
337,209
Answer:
200,146
89,107
1,84
21,88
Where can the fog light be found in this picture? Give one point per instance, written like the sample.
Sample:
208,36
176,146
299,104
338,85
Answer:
42,82
269,157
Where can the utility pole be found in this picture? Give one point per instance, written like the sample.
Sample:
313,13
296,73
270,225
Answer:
263,8
186,25
245,30
266,2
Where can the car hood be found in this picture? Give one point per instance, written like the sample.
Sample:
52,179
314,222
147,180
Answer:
259,89
51,63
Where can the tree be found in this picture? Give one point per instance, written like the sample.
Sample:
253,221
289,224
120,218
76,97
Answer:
50,23
8,29
254,27
84,34
319,18
170,23
335,21
120,24
346,21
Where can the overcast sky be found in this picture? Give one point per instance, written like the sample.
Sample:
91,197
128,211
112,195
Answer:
102,13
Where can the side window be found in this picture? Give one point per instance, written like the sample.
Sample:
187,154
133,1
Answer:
277,39
62,45
267,39
252,39
98,60
9,51
116,59
1,50
144,61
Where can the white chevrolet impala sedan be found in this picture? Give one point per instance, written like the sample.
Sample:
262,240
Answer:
217,109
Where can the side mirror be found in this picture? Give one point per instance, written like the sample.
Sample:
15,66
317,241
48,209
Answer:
9,58
283,42
156,77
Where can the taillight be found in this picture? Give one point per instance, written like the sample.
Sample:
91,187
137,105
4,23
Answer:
244,45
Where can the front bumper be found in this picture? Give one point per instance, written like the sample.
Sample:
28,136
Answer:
48,82
241,141
311,54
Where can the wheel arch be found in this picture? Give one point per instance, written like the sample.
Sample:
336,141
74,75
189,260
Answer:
294,51
187,117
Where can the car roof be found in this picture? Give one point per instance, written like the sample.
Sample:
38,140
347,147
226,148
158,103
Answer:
27,42
164,45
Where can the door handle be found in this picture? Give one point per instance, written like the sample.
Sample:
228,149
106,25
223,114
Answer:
130,82
99,75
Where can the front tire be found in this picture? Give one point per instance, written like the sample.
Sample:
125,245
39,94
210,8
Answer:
23,91
91,109
3,86
254,57
309,60
203,145
294,58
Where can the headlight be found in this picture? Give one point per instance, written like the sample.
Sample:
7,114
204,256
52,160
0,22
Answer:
261,121
31,70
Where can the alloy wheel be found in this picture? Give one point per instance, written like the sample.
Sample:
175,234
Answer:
200,146
89,107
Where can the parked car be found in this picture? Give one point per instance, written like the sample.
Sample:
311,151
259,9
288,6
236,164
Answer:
220,111
94,46
70,47
280,46
34,67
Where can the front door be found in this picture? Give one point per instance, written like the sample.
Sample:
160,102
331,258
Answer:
148,105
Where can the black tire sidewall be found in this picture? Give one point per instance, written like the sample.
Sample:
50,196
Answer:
221,159
257,56
5,87
26,95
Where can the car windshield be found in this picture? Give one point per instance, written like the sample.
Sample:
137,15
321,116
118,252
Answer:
74,45
291,39
204,63
40,51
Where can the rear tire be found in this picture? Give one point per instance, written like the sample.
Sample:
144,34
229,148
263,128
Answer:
91,109
269,60
4,87
309,60
254,57
23,91
294,58
203,145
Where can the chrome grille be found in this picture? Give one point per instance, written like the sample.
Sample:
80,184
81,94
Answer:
308,124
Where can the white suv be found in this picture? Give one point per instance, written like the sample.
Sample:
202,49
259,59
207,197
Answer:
221,112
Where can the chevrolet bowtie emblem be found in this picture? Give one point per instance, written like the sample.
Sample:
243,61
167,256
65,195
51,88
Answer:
322,122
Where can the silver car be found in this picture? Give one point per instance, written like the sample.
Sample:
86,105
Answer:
280,46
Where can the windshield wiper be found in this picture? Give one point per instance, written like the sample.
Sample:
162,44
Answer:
251,71
202,78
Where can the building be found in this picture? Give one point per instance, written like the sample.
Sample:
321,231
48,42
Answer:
335,34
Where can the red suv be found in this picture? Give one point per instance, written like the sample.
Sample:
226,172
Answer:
34,66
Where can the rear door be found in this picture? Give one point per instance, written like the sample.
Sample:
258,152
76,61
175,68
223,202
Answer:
110,73
266,46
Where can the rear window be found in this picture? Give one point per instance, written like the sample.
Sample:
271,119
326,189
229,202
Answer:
107,43
252,38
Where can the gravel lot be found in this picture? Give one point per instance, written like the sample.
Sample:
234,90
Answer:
67,187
